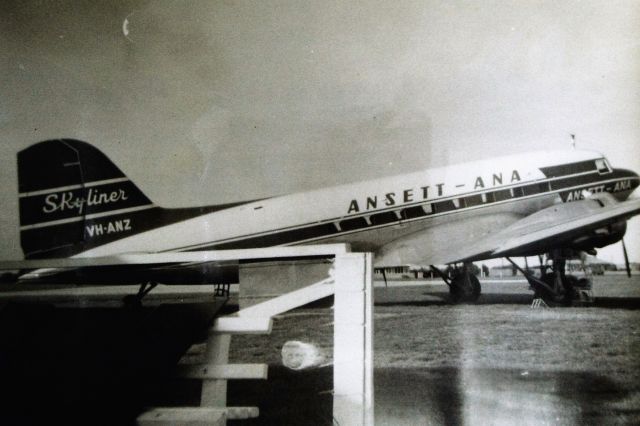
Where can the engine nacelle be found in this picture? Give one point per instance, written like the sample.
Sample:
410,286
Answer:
601,237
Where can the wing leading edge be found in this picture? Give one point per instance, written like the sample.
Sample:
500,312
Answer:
597,221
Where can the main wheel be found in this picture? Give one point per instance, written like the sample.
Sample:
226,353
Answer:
476,288
463,290
553,299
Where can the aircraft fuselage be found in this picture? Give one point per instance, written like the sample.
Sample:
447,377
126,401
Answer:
371,214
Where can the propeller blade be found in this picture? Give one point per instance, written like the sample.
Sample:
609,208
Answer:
626,259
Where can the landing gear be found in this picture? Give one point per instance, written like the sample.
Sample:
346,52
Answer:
464,286
554,286
559,288
222,290
134,301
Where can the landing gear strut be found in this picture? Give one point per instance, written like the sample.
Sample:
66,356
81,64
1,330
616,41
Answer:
464,286
554,286
135,300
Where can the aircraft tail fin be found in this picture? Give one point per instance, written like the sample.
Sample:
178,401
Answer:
72,198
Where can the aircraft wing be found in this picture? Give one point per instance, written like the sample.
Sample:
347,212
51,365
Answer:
581,225
572,232
596,221
209,272
198,267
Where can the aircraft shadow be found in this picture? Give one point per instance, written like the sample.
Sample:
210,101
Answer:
91,366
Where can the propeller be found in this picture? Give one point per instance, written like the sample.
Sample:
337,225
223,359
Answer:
626,259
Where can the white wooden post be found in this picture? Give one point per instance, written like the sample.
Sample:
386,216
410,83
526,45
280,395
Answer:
214,391
353,340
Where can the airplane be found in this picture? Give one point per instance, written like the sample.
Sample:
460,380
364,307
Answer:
74,202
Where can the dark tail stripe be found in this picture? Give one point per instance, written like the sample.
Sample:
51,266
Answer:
70,238
67,239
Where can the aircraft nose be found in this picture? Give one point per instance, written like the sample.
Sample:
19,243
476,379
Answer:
625,182
635,179
630,176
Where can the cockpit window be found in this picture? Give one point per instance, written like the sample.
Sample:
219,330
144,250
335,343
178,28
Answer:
603,166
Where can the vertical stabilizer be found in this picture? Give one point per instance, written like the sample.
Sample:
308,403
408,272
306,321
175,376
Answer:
72,197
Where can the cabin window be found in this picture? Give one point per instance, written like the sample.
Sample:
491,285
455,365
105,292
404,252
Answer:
413,212
544,187
505,194
444,206
603,166
536,188
530,189
353,224
475,200
382,218
572,181
517,192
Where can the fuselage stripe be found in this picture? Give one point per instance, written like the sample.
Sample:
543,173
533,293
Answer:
409,213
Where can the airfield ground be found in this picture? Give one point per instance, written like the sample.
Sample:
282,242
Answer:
496,362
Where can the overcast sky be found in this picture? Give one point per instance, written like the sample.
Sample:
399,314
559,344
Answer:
210,102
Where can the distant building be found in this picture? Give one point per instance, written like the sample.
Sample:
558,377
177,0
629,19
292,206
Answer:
504,271
634,266
593,264
403,272
393,272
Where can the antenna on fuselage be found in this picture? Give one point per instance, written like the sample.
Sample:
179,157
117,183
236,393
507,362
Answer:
573,140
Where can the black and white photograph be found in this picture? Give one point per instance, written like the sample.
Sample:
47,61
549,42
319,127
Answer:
320,213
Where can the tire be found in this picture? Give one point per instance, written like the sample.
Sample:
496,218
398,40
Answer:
552,299
544,294
476,288
460,292
570,292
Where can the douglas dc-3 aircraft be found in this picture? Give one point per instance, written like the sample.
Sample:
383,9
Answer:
74,202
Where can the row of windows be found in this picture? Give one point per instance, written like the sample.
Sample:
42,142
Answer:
393,270
443,206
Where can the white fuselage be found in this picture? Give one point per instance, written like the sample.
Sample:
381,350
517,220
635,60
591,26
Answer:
373,213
